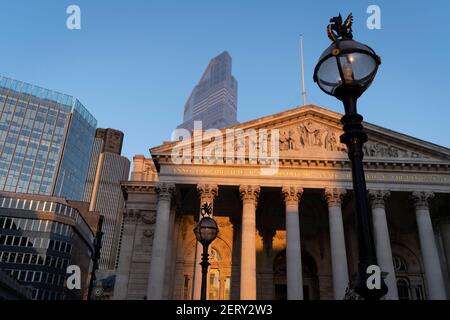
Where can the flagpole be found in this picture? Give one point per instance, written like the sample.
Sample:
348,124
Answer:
303,70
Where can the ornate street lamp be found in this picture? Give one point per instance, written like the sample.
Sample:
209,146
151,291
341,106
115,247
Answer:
206,232
345,70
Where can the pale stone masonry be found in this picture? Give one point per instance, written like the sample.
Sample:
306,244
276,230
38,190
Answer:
290,234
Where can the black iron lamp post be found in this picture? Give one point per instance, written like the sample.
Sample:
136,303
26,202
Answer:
206,232
345,70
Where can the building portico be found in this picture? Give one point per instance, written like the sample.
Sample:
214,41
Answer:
288,233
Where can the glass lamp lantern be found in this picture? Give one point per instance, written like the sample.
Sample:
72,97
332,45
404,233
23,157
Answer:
206,230
346,67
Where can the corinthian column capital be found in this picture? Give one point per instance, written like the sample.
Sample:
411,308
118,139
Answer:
207,192
165,190
421,200
378,198
249,193
292,194
334,196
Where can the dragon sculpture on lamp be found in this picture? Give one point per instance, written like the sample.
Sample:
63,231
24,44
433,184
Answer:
340,30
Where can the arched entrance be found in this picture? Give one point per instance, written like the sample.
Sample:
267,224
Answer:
310,279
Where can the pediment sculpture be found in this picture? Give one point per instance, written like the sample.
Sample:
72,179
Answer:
384,150
310,134
315,138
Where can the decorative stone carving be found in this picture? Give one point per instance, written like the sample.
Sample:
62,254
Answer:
149,217
131,215
148,233
421,199
207,192
292,194
249,193
378,198
165,191
334,196
310,134
382,150
287,141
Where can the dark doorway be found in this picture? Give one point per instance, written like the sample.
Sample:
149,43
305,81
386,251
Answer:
280,292
310,279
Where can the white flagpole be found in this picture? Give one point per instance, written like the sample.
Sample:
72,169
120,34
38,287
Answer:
303,70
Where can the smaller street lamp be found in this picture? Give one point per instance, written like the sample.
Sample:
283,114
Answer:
206,232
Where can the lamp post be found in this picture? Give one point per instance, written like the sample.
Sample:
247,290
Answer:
206,232
345,70
96,255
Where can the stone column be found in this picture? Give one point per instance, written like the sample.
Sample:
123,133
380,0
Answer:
433,272
126,254
382,240
170,255
339,265
249,195
292,195
444,225
160,238
207,194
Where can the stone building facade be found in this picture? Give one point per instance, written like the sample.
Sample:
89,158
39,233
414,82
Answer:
288,232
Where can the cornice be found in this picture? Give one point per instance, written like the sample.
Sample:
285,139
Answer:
138,187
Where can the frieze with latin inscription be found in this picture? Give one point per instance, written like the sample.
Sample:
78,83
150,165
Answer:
323,174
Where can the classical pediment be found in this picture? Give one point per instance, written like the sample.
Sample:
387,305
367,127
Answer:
312,132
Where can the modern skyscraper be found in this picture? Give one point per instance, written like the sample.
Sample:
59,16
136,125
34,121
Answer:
214,100
107,169
45,141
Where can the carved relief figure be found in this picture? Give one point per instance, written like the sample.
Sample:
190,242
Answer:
302,131
331,142
378,150
291,140
312,134
288,141
283,141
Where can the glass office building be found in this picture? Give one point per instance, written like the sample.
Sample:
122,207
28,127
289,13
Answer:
39,237
214,100
45,141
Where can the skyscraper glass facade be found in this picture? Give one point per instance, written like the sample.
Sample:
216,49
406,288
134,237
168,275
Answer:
45,141
214,100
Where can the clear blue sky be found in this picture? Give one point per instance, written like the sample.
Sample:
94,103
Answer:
134,63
